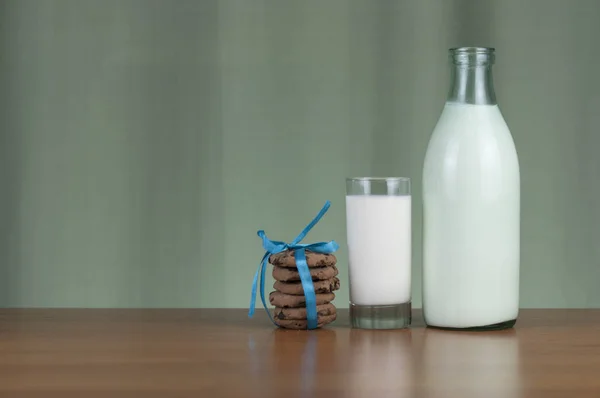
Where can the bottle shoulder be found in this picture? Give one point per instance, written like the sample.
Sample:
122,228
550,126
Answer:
471,143
470,126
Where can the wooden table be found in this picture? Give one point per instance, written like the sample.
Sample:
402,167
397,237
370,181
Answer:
222,353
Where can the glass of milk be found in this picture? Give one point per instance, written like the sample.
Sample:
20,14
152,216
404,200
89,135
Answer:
378,223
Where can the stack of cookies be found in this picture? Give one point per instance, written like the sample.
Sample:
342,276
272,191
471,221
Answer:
288,297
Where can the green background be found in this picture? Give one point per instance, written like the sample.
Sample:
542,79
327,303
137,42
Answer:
143,143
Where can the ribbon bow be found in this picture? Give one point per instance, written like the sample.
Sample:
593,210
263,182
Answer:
273,247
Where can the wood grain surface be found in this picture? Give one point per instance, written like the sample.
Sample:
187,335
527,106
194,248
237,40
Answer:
222,353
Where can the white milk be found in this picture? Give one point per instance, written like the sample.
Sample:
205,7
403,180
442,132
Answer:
379,248
470,220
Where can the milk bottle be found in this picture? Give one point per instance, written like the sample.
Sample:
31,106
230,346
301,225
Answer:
471,205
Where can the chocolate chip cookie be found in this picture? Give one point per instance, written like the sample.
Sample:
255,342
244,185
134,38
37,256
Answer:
282,300
300,313
303,324
291,274
286,259
324,286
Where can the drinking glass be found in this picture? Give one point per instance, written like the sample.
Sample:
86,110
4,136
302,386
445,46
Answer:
378,224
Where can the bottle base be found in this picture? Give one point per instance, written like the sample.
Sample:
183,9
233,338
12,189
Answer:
485,328
397,316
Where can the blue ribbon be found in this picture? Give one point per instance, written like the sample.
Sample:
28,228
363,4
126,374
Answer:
273,247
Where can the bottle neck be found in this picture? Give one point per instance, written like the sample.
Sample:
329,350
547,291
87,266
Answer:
472,85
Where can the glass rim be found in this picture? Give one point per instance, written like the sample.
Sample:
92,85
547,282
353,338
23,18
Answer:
348,179
472,50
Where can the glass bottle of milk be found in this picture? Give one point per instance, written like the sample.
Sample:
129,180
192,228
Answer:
471,205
